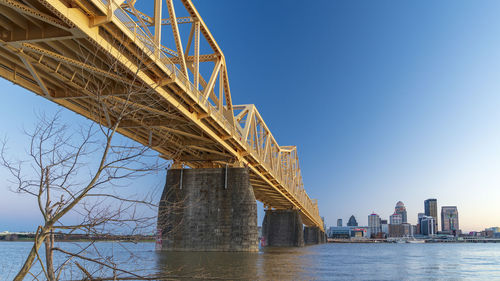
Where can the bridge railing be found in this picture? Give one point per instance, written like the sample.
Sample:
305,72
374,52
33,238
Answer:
280,162
138,34
152,50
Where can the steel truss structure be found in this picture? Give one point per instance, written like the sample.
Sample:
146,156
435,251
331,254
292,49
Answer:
85,54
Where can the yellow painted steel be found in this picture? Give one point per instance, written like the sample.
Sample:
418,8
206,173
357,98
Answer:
65,49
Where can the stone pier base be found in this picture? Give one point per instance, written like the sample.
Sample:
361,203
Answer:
282,228
208,210
324,238
313,235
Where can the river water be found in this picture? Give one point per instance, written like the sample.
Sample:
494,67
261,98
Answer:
379,261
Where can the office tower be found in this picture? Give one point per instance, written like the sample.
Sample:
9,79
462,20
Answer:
396,230
339,222
419,223
407,232
420,216
374,223
428,225
400,229
401,209
384,227
449,219
395,219
352,221
430,206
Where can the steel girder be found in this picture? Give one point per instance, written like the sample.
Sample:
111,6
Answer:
83,55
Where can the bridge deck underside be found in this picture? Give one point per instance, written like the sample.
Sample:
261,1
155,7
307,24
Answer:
98,71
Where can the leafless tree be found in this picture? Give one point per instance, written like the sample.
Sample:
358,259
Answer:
59,162
79,171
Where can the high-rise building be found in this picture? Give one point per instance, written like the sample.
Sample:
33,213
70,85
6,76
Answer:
339,222
400,230
384,227
352,221
420,216
395,219
396,230
407,230
374,223
430,206
419,223
401,209
427,225
449,219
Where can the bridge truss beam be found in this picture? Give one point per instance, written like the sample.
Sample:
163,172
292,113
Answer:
86,55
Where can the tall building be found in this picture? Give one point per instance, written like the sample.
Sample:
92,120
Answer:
352,221
395,219
396,230
414,230
400,230
449,219
427,225
431,209
384,227
401,209
374,224
420,216
408,232
419,223
339,222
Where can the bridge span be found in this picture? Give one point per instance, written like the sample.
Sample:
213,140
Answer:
96,57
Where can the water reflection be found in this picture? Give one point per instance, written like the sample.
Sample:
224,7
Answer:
286,263
322,262
208,265
339,262
269,264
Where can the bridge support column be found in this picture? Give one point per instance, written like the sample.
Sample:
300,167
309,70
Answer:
282,228
208,210
313,235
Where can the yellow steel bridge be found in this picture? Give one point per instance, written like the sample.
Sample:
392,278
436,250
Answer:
86,54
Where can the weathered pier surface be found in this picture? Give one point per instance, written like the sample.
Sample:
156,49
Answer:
282,228
314,235
211,209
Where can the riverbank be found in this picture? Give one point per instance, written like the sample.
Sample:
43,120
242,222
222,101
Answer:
63,237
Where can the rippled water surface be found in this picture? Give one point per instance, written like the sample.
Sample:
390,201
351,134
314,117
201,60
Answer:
322,262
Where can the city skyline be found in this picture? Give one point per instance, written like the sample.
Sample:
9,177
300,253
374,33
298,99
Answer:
405,111
424,229
449,217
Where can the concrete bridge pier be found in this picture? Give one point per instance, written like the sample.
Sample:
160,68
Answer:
209,209
282,228
314,235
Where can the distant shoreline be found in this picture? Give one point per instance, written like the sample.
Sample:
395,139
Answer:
62,237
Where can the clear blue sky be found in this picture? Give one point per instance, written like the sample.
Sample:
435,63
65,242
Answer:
386,100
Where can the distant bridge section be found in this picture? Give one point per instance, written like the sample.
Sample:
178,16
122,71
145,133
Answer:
86,54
